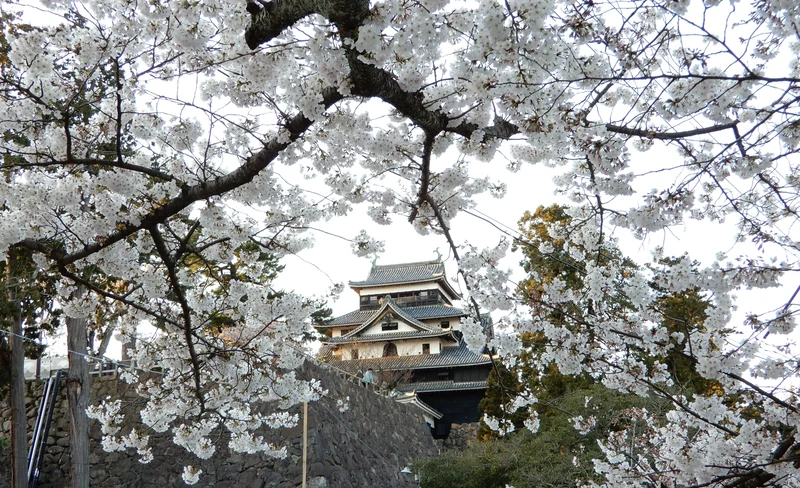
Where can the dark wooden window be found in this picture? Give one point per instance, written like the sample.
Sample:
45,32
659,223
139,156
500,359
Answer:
369,302
426,349
389,350
354,353
404,299
477,373
445,324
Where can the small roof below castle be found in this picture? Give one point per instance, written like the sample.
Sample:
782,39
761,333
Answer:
393,274
411,398
449,385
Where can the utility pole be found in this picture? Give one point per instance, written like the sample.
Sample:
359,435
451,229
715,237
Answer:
19,420
78,388
305,441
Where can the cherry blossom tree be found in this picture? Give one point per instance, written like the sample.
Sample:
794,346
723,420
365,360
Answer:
141,140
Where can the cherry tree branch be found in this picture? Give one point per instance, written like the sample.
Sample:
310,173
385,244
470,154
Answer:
186,310
269,19
113,296
242,175
762,392
110,163
425,175
669,135
367,80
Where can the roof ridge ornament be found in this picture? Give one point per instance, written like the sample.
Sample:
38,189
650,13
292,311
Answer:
438,255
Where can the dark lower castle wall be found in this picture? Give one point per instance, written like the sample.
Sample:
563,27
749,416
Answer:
457,407
365,446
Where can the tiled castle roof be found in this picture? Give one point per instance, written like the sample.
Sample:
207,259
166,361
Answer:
358,317
401,273
392,274
411,398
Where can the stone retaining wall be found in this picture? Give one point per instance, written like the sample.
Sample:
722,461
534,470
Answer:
460,438
366,446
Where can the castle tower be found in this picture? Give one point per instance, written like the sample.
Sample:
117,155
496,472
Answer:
407,330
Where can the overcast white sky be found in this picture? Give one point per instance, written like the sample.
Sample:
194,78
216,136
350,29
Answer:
313,271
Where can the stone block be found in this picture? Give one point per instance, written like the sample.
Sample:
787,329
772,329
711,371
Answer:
317,482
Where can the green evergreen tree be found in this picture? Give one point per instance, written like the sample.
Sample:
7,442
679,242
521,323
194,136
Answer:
683,313
34,302
558,454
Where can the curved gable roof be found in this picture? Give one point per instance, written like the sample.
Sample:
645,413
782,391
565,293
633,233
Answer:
423,312
390,305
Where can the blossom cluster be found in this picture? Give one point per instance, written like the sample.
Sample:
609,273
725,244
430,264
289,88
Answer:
144,146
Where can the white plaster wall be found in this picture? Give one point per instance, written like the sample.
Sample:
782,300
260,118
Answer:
409,347
343,331
455,322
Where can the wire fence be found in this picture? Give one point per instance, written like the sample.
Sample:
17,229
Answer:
104,366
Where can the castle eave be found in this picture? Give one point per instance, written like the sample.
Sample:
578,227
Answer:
407,273
391,336
432,386
450,357
425,312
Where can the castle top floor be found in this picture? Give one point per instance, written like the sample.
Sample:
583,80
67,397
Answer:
409,284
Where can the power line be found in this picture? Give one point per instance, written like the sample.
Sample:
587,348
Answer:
517,238
87,356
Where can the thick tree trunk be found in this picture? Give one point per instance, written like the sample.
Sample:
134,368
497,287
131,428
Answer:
78,387
19,420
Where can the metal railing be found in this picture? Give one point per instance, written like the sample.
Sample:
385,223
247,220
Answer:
41,429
